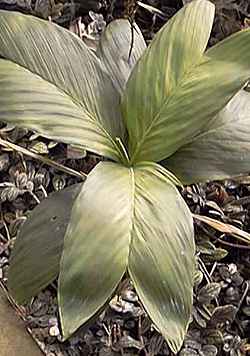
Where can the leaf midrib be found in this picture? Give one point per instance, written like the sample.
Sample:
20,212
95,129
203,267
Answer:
203,60
132,173
75,102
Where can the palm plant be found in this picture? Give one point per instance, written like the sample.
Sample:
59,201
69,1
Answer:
175,103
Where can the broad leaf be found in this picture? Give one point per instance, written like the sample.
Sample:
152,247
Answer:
96,245
47,109
222,150
129,218
62,64
180,103
36,255
161,260
155,84
114,50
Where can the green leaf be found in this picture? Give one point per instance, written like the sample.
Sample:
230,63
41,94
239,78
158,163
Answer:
129,218
222,150
181,102
155,86
47,109
64,66
114,49
96,245
35,258
161,259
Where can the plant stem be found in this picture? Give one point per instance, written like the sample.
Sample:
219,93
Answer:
123,149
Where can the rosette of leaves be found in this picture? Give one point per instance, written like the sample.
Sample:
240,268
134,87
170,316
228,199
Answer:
175,103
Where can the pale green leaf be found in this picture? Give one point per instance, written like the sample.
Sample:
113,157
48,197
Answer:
59,58
35,258
202,90
155,84
96,245
114,49
135,218
161,260
222,150
30,101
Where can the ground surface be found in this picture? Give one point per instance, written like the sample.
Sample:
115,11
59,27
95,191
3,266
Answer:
14,339
221,316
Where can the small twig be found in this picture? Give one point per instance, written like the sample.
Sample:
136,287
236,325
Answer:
207,310
219,239
152,9
206,274
245,293
243,296
3,238
212,269
43,190
132,40
224,228
6,228
140,331
226,243
12,302
204,270
34,196
108,330
44,160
